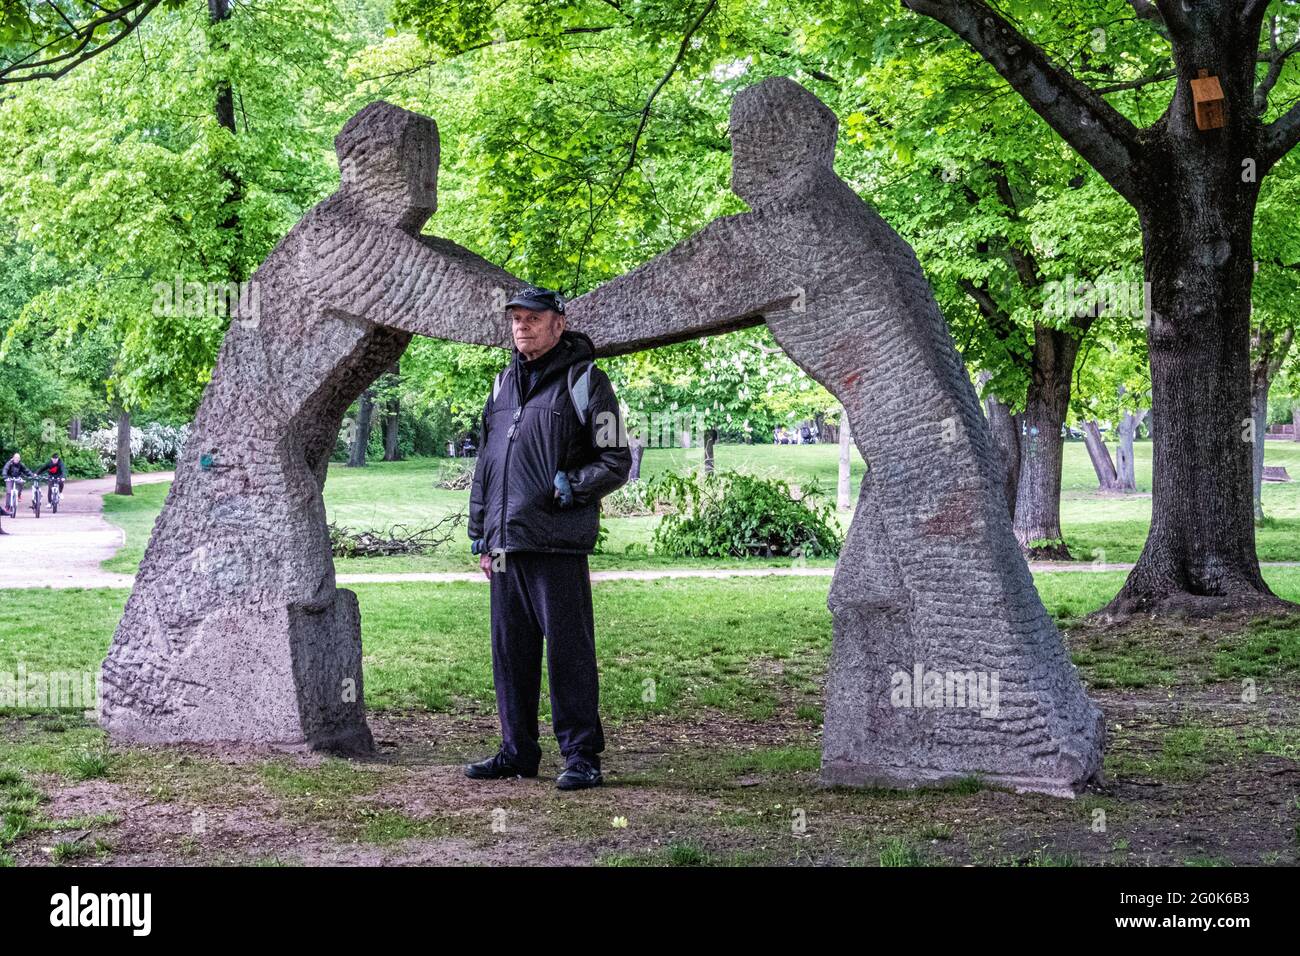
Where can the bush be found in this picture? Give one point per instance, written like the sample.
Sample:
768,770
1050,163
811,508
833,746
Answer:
728,514
634,499
162,443
157,444
83,463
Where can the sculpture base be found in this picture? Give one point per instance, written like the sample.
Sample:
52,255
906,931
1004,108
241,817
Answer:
839,774
287,676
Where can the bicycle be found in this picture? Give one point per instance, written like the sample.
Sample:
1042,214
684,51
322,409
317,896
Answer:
13,486
36,494
54,493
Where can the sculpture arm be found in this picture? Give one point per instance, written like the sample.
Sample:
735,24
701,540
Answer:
718,280
425,285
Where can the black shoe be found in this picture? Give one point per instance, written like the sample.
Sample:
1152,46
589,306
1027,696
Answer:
579,775
497,767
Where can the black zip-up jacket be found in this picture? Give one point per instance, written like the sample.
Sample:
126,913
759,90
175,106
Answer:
16,469
527,438
55,469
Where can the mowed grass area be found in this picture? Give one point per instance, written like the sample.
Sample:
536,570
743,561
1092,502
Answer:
1105,528
702,643
712,699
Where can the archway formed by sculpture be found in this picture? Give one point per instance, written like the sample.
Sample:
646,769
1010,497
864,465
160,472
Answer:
235,629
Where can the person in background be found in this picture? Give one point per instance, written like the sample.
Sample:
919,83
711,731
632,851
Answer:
55,469
15,471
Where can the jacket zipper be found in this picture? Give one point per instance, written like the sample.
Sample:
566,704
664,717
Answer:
510,443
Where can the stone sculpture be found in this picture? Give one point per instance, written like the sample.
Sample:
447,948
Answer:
944,664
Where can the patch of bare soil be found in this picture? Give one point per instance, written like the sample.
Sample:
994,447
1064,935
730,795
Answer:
1194,774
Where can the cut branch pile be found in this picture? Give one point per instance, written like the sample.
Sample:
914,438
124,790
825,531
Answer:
397,539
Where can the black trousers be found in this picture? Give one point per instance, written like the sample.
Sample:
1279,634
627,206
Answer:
537,594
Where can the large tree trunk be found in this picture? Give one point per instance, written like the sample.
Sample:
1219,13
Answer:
1107,475
1198,258
1295,421
74,429
1125,470
123,483
843,486
1037,521
1259,419
710,439
1005,428
638,450
1270,351
391,430
361,434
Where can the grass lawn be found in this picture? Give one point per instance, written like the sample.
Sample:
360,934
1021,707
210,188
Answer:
712,699
1105,528
702,642
712,695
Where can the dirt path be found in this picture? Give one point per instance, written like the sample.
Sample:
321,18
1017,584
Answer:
65,550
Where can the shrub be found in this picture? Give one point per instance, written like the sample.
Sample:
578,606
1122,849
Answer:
162,442
727,514
83,463
634,499
154,443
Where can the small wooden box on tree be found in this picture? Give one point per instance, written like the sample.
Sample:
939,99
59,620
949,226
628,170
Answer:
1211,107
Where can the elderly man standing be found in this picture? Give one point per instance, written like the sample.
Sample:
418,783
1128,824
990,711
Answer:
551,448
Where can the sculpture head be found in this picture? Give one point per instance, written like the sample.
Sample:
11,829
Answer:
779,132
388,160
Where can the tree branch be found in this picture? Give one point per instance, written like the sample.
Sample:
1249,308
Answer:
1279,137
636,138
1275,59
1146,10
1104,137
427,64
1252,9
1136,84
22,71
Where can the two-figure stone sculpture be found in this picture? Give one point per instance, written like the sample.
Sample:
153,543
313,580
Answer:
944,662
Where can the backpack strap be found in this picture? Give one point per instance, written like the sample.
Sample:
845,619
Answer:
580,388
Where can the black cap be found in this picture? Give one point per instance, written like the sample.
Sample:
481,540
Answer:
539,299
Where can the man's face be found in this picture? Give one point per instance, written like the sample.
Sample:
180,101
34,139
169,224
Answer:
535,333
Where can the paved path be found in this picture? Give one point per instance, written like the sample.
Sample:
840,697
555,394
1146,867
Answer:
64,550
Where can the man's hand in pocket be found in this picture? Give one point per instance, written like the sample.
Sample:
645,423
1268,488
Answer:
563,491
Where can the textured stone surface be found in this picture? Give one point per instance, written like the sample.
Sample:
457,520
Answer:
235,630
930,573
253,642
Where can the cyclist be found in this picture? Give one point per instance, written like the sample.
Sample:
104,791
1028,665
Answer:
15,471
57,471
